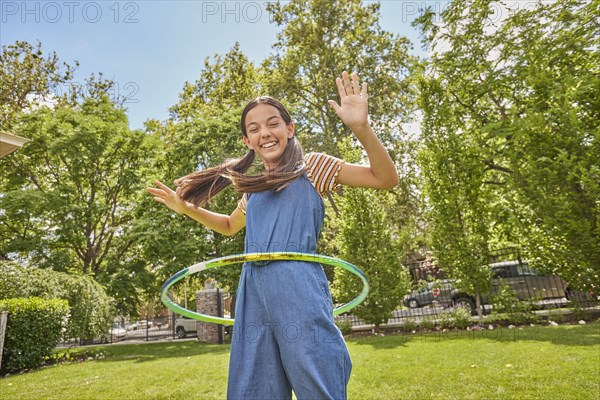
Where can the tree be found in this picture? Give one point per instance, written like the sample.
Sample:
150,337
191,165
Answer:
513,102
68,197
321,38
230,81
170,242
365,238
29,80
91,310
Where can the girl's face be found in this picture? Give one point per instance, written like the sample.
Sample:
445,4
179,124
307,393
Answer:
268,134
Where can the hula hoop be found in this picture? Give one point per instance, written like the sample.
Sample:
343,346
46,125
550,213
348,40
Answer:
240,258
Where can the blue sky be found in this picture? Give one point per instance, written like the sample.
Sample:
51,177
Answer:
150,48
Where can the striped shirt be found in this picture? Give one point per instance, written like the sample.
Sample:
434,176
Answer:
322,171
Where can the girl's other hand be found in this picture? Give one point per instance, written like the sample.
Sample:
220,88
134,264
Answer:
353,107
168,197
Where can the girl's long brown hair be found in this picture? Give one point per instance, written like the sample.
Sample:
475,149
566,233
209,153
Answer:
201,186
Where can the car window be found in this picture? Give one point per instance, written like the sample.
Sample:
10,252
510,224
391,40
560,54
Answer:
502,272
525,270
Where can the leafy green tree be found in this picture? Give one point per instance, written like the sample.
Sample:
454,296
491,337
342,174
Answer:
230,81
68,197
318,40
27,78
460,205
364,237
511,124
170,242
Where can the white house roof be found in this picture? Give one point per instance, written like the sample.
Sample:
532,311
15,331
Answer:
10,143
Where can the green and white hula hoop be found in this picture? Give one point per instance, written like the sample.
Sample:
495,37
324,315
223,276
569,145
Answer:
240,258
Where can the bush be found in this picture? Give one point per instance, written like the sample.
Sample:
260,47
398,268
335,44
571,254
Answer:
33,330
462,318
427,324
344,326
446,321
409,325
506,304
91,309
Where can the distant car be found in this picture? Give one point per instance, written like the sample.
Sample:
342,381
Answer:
117,332
185,326
519,276
526,282
425,296
142,324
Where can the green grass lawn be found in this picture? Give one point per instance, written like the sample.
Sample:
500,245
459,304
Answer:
561,362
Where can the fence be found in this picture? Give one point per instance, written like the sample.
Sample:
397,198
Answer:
544,293
162,327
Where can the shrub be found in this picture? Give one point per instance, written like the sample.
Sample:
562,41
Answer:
91,309
462,318
344,326
507,304
427,323
33,330
409,325
446,321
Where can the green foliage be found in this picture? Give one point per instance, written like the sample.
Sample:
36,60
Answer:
91,311
510,150
427,324
507,305
68,196
364,239
318,40
344,325
33,330
25,72
446,321
409,325
462,318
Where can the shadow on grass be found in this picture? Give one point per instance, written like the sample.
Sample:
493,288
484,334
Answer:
144,352
567,335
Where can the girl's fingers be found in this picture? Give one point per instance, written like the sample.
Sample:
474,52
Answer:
347,83
340,87
364,90
355,85
162,185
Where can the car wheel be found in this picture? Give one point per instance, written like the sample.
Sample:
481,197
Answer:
465,302
413,303
180,332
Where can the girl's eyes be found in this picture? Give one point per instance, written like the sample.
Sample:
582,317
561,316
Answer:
273,125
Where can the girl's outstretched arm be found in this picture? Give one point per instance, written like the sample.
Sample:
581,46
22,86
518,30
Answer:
221,223
353,111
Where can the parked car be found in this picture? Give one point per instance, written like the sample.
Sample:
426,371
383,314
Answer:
117,332
185,326
142,324
425,296
518,276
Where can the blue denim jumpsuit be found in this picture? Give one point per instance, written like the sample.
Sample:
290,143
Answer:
284,337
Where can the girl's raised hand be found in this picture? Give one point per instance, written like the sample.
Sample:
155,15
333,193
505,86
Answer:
168,197
353,107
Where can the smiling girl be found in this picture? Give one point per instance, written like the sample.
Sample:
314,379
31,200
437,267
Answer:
284,336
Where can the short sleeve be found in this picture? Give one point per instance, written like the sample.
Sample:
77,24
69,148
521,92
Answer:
243,203
323,170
